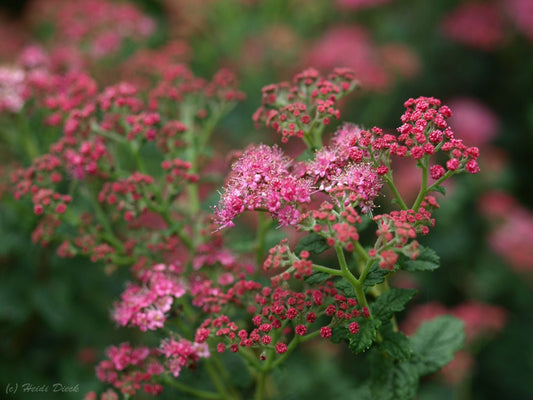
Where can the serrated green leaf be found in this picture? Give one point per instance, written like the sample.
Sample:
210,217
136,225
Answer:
435,343
396,344
317,277
405,379
427,260
391,380
362,341
390,302
339,333
375,276
345,287
313,243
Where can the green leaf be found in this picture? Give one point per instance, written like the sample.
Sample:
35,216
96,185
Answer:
390,302
339,333
313,243
435,343
375,276
346,287
317,277
390,380
440,189
362,341
427,260
396,344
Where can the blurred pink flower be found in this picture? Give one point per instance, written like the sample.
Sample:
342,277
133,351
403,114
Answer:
521,13
496,204
473,122
351,47
480,319
458,369
400,59
513,240
479,25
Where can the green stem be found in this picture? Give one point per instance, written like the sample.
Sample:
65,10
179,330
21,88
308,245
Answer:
263,373
395,191
201,394
423,187
361,252
250,357
217,381
263,225
356,283
109,234
440,180
327,270
292,346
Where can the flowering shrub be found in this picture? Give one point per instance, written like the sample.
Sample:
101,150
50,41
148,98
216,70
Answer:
99,194
233,266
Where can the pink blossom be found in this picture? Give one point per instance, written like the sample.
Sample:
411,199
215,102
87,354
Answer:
260,179
521,12
350,47
480,319
145,305
359,180
473,121
478,24
513,240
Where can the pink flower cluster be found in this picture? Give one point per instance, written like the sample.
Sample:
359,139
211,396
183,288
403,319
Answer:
147,303
177,84
336,227
182,353
397,231
128,368
425,131
293,109
339,170
92,24
261,180
279,314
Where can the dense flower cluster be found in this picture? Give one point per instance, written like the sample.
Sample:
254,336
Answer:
278,315
145,304
294,109
260,179
425,131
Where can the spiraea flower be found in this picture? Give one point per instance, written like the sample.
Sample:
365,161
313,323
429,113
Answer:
261,180
307,103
